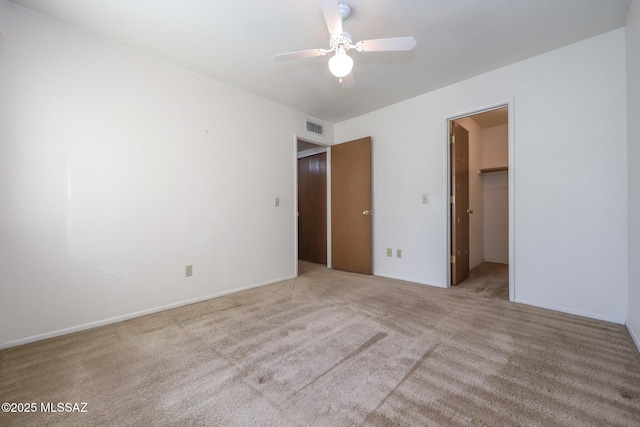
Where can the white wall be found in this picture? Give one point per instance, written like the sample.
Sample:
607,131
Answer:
476,220
633,158
495,146
117,170
570,176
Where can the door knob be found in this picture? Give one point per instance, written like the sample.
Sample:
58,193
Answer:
469,211
367,212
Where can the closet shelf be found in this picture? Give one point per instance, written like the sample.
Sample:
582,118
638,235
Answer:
489,170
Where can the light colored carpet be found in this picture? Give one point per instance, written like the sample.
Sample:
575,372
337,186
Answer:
335,349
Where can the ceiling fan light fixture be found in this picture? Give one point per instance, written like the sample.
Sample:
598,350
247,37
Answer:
340,64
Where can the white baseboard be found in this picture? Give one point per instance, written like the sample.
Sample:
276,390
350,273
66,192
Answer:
408,279
572,311
128,316
635,334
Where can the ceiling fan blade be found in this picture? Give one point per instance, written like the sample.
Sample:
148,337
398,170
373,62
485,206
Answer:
331,12
347,81
301,54
379,45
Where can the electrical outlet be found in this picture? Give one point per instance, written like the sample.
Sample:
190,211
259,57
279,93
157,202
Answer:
188,270
276,202
389,252
399,253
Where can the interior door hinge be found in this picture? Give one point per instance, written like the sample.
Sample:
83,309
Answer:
452,139
453,259
452,199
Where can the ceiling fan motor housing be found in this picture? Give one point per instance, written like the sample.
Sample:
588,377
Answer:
337,40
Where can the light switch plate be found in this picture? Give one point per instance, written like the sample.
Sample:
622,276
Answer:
425,198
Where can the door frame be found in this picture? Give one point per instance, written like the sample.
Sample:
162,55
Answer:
327,146
509,103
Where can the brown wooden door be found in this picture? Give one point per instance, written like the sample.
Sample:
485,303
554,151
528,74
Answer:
351,222
460,203
312,208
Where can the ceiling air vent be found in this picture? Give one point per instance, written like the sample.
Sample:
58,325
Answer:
314,127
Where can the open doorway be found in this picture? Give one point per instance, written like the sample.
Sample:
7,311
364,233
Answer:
479,216
312,202
342,192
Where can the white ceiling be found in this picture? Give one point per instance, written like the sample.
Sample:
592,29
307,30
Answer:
234,41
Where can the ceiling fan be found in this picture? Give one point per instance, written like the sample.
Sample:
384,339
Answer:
341,42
